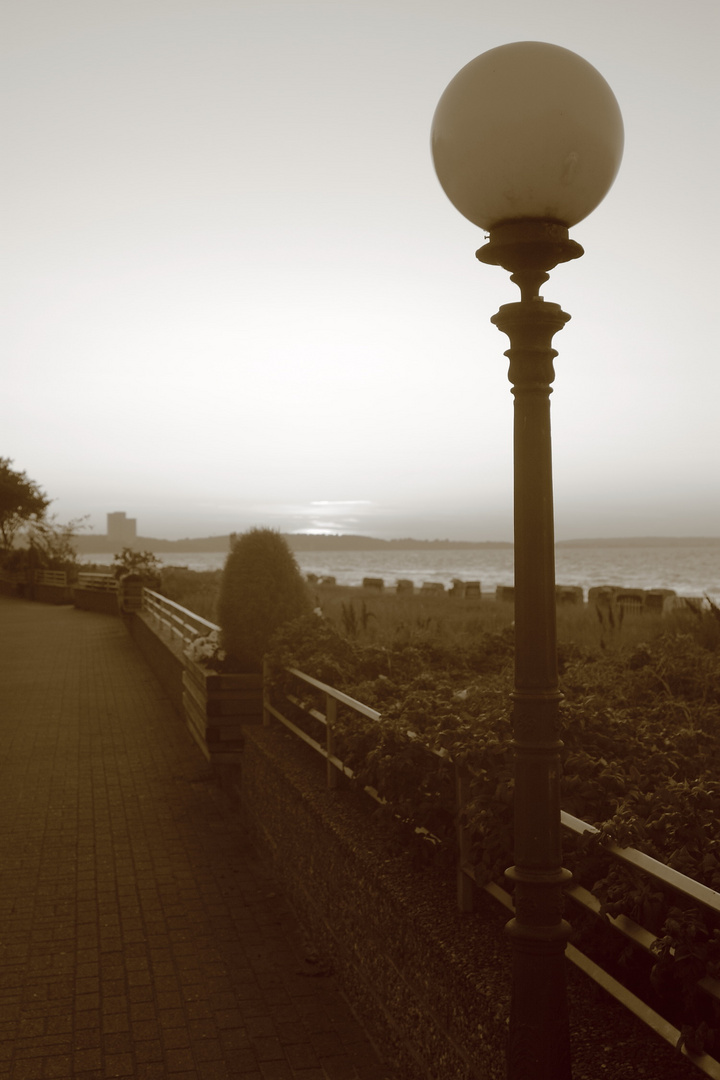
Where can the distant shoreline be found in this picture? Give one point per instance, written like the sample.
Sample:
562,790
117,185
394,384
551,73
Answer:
97,544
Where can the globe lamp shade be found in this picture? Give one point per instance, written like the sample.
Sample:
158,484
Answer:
527,130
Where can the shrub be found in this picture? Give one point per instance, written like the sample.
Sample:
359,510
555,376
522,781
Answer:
261,588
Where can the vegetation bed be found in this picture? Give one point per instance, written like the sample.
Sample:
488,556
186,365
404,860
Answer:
640,725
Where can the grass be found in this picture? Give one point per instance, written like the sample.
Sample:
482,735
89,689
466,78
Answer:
383,617
196,590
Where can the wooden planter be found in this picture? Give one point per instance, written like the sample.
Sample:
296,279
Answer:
216,708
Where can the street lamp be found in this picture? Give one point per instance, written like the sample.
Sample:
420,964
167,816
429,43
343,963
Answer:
527,140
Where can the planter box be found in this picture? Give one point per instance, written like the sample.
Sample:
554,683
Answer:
216,709
51,594
94,600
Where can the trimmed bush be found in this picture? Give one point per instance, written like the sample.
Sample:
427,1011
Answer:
260,590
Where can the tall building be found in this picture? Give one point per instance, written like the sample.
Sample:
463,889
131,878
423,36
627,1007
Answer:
121,530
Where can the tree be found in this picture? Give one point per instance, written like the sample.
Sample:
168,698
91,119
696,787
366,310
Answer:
54,541
21,501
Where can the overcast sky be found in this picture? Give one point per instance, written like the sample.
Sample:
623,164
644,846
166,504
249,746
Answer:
235,293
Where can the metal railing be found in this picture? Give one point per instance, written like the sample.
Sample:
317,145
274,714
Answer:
466,884
179,624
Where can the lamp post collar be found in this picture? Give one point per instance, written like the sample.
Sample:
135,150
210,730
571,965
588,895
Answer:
529,248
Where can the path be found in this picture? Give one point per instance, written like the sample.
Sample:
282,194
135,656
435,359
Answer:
140,934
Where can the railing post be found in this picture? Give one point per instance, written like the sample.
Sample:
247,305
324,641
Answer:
330,720
465,887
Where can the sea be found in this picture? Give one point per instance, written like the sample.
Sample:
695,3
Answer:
690,571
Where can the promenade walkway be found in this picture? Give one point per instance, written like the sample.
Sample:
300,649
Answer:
140,934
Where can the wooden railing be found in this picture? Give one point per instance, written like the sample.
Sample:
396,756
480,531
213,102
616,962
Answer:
36,577
50,577
179,624
97,582
685,886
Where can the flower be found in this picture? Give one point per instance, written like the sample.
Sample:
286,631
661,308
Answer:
206,650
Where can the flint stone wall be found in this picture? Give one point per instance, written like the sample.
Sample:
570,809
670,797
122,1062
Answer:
430,984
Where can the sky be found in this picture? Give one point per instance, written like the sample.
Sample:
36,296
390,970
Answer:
235,293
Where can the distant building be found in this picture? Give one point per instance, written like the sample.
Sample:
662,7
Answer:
121,530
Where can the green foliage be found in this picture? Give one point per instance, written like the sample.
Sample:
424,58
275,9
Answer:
687,951
435,691
640,728
261,588
313,645
21,501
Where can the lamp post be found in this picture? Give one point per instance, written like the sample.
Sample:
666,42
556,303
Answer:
527,140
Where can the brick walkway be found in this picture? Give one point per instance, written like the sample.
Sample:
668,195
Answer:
140,935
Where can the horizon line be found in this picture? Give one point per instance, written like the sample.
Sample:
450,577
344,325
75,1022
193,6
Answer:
645,537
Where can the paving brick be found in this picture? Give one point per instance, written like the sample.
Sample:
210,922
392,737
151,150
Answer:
209,1050
117,1042
175,1038
85,1060
275,1070
119,1065
301,1056
145,937
148,1050
150,1071
145,1029
215,1070
260,1027
267,1049
178,1060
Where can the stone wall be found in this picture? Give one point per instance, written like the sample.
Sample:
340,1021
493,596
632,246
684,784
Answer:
430,983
